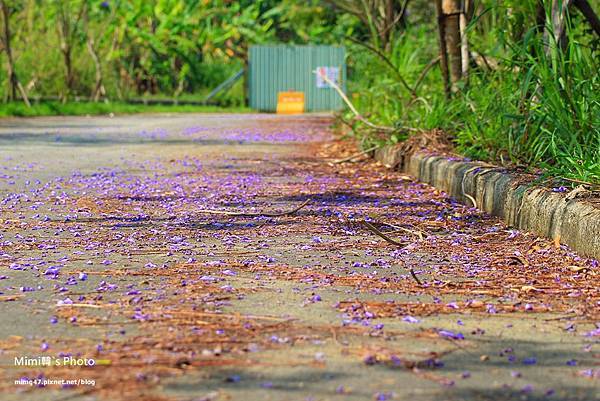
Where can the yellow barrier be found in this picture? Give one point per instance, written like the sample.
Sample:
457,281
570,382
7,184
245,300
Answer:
290,103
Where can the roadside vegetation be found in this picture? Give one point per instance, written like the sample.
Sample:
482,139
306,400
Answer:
124,50
511,82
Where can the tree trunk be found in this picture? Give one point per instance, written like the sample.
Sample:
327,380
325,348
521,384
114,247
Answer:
540,16
67,29
65,48
555,33
98,87
464,41
589,14
443,50
13,81
452,11
386,28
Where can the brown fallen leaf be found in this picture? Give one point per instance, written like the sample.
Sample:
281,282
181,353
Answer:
557,242
579,269
529,288
520,259
10,342
580,191
8,298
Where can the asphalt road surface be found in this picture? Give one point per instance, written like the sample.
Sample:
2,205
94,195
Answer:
229,257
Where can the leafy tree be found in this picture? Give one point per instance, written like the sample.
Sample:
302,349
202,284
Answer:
14,85
69,24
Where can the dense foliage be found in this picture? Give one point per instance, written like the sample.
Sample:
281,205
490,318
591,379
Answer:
526,101
119,49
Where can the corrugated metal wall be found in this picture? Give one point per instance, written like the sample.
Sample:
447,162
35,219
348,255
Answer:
278,68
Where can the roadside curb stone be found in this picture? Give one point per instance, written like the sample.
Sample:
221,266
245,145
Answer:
530,208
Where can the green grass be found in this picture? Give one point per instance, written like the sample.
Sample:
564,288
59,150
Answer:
19,109
537,110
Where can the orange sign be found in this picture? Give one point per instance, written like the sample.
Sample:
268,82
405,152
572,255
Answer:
290,103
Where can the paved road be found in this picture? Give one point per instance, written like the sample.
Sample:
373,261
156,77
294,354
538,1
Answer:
114,248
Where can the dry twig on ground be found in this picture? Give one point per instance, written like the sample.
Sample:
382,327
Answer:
377,232
254,214
354,156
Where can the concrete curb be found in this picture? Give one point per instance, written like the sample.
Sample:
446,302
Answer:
502,194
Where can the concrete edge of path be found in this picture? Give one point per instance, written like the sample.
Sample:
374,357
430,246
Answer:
502,194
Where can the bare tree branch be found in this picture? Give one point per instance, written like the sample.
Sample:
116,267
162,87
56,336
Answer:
588,12
423,74
387,61
13,80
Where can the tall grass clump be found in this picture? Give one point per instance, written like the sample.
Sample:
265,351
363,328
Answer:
542,110
536,105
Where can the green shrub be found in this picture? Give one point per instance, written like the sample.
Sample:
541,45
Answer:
536,109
